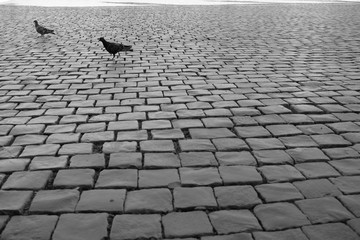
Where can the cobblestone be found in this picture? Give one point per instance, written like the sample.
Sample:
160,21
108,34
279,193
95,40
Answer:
224,123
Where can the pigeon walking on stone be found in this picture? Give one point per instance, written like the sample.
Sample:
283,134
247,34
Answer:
114,48
42,30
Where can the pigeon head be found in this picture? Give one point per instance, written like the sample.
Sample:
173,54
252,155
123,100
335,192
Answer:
36,22
102,39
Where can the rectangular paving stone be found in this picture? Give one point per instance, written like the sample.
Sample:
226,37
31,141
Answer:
22,227
280,173
278,216
13,164
352,203
197,159
330,231
324,210
136,227
240,175
40,150
157,146
159,178
278,192
72,178
125,160
96,160
48,162
91,226
236,196
14,201
157,200
233,221
200,176
197,197
27,180
55,201
76,148
301,155
295,234
347,184
186,224
316,188
161,160
265,143
189,145
117,178
101,200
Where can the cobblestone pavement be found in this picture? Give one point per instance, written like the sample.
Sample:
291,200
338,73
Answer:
225,123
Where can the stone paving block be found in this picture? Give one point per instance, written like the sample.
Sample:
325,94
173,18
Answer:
136,227
60,128
125,160
324,210
236,196
233,221
117,178
132,135
282,130
157,146
48,162
40,150
14,201
317,188
355,225
315,129
81,226
278,192
280,173
265,143
200,176
27,129
13,164
27,180
240,175
352,203
347,184
161,160
159,178
294,234
197,197
252,132
272,157
301,155
72,178
235,158
330,231
269,119
316,170
197,159
114,147
187,123
55,201
340,153
30,227
149,201
298,141
96,160
101,200
278,216
219,122
206,133
167,134
76,148
347,166
330,140
352,137
186,224
344,127
123,125
228,144
98,137
63,138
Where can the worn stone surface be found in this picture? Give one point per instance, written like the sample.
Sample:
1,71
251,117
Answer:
81,226
220,109
55,201
136,227
183,224
30,227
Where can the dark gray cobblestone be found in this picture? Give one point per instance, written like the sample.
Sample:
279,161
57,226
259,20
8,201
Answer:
224,123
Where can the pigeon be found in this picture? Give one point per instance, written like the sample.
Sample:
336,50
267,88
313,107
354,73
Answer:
114,48
42,30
